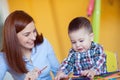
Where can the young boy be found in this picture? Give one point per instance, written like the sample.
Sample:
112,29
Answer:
86,58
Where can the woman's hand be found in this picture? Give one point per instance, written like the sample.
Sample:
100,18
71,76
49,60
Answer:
88,73
60,75
32,75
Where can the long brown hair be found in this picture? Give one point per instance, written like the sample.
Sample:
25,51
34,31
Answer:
14,23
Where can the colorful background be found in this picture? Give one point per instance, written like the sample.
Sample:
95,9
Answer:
53,16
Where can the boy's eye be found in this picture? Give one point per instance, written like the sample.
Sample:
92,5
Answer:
73,42
34,31
81,40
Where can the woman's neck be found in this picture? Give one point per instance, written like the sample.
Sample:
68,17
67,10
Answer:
27,53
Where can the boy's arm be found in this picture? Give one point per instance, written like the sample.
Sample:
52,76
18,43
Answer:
67,65
100,61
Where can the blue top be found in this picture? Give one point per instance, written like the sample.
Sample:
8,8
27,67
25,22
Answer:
42,55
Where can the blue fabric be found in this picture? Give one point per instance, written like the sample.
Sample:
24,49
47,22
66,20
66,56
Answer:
42,55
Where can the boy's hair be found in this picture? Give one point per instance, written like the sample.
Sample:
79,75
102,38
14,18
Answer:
78,23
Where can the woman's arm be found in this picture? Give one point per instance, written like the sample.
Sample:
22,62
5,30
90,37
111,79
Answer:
54,64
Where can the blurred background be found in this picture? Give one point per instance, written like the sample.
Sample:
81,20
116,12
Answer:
53,16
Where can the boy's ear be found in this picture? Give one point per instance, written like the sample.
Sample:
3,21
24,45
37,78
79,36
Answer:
92,36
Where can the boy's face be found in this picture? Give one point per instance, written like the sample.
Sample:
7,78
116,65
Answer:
81,40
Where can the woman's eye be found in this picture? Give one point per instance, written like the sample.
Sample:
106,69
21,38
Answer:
26,35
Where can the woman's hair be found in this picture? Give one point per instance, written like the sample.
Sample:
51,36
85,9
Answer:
14,23
78,23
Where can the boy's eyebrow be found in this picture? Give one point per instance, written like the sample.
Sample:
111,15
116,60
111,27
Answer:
78,39
81,38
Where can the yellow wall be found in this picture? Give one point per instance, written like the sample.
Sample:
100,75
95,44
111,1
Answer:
53,16
110,26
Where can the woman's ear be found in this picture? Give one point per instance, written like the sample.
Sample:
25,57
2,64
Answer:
91,36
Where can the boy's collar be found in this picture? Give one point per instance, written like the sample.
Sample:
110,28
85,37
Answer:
92,47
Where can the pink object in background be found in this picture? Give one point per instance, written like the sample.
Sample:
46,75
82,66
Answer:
90,8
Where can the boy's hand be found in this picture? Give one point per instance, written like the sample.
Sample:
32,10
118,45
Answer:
60,75
88,73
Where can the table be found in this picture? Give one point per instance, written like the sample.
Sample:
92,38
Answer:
108,76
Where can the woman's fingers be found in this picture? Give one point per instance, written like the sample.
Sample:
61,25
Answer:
32,75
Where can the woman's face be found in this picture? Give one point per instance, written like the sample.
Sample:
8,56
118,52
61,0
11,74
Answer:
27,36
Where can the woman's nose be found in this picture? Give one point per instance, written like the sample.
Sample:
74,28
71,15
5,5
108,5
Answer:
33,36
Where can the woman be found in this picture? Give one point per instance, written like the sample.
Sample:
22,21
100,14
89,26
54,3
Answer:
25,54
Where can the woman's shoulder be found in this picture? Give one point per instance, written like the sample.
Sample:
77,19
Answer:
2,58
45,42
43,47
2,55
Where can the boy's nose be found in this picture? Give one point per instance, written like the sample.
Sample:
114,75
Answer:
77,44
